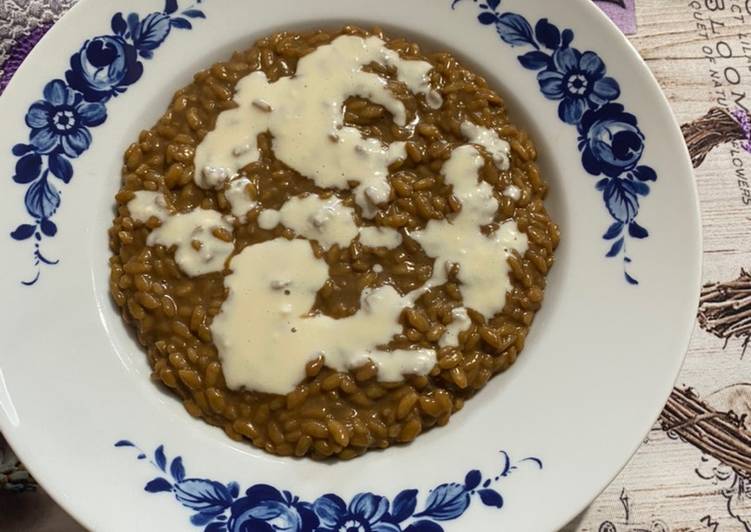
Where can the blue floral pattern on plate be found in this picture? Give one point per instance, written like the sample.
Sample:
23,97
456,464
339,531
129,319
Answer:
219,507
610,141
59,124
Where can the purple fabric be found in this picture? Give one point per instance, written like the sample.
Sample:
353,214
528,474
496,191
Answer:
18,53
622,12
744,119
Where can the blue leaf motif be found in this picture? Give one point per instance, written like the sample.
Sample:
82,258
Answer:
616,248
424,526
515,30
472,480
21,149
621,200
202,518
637,187
28,168
446,502
614,231
133,23
493,4
181,23
194,13
215,527
535,60
170,6
161,460
23,231
404,505
548,34
42,199
491,498
207,496
124,443
637,231
152,31
158,485
61,167
630,279
487,18
48,227
119,26
177,470
645,173
567,37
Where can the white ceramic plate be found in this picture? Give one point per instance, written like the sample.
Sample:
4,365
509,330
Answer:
528,453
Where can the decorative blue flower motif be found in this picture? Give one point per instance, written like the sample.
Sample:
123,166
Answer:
263,508
104,67
365,513
610,140
60,122
579,81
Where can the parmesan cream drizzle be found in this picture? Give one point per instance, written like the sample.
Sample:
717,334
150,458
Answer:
186,231
380,237
146,204
327,221
461,322
482,260
304,114
513,192
498,148
272,287
238,198
195,228
265,332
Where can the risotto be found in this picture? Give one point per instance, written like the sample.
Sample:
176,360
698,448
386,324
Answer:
330,241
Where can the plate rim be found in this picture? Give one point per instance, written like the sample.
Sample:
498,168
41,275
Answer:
674,127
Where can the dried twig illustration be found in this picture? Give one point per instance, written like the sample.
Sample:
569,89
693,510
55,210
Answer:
718,126
725,309
723,435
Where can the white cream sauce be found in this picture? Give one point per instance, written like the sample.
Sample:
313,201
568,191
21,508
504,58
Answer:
328,221
184,229
498,148
460,323
380,237
265,335
238,197
482,260
304,114
146,204
513,192
268,219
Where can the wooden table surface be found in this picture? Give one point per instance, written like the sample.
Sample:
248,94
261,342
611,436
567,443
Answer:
693,472
681,479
